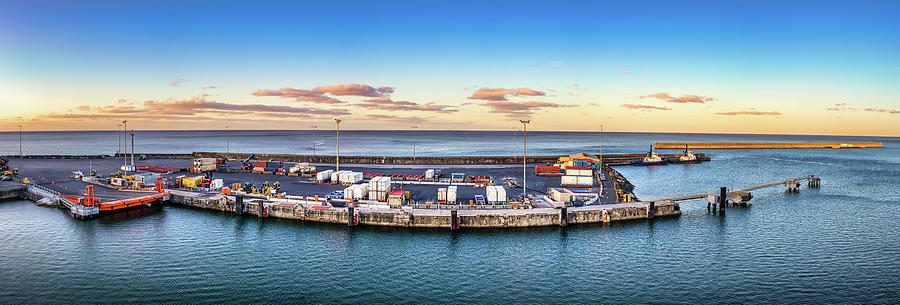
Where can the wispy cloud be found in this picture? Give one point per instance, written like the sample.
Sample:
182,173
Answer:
385,103
644,107
520,109
624,69
209,87
177,82
689,98
318,94
501,94
847,107
749,113
891,111
396,119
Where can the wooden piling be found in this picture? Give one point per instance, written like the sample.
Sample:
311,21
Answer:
239,205
651,210
723,198
454,220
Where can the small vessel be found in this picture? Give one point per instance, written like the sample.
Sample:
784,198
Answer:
687,157
652,158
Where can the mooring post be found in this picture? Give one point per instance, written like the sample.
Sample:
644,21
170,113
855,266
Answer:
454,220
260,209
350,216
651,210
723,198
563,217
239,205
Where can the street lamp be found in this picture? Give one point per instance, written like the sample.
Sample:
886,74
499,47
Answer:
20,136
314,127
337,160
125,149
227,139
524,177
118,139
414,141
132,148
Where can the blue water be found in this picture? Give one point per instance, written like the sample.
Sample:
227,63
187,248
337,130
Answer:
836,244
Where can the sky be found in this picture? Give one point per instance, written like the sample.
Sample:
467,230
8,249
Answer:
782,67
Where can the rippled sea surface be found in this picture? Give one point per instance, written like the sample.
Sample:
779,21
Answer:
836,244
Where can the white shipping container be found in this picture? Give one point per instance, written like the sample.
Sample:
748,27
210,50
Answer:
385,184
451,193
348,193
324,175
501,193
569,180
578,172
360,191
442,194
429,174
585,180
491,193
216,184
336,176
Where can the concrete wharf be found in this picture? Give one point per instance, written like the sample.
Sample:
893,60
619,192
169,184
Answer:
741,196
683,145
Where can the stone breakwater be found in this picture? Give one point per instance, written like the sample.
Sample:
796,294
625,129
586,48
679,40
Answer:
608,159
421,218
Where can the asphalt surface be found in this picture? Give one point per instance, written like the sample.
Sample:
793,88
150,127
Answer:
55,173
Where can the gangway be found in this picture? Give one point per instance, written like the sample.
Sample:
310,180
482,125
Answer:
792,184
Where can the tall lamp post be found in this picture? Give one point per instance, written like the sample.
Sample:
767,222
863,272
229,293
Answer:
337,159
315,143
524,158
132,148
20,136
118,138
227,139
125,151
414,141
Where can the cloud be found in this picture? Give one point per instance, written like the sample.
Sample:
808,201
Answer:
840,107
299,94
396,119
520,109
177,82
84,108
500,94
891,111
624,69
749,113
385,103
644,107
318,94
682,99
209,87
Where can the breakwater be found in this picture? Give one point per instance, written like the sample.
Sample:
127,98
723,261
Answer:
608,159
682,145
423,218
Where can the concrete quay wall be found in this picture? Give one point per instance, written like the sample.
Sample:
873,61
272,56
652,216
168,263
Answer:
434,218
608,159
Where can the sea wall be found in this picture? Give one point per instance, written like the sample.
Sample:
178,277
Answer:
11,190
609,159
432,218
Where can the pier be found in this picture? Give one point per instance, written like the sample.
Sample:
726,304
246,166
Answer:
683,145
740,196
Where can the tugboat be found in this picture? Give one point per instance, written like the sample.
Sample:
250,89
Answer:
687,157
652,158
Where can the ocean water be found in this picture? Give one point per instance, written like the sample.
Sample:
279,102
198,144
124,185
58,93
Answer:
836,244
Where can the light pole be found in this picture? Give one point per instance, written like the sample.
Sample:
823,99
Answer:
414,141
601,152
20,136
118,139
524,158
132,147
314,127
337,159
125,148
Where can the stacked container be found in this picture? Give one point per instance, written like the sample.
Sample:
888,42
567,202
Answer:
579,172
324,175
199,165
429,174
336,176
442,194
348,177
495,194
379,187
451,194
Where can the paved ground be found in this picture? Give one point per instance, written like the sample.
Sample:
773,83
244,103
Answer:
55,173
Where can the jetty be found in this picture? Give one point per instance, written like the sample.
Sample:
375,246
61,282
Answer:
714,145
740,196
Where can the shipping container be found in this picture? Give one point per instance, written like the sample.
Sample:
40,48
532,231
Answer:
490,193
578,172
586,180
442,194
336,176
260,164
451,194
561,194
348,193
429,174
360,191
501,194
324,175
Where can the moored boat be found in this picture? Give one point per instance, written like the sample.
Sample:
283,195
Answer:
652,158
687,157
